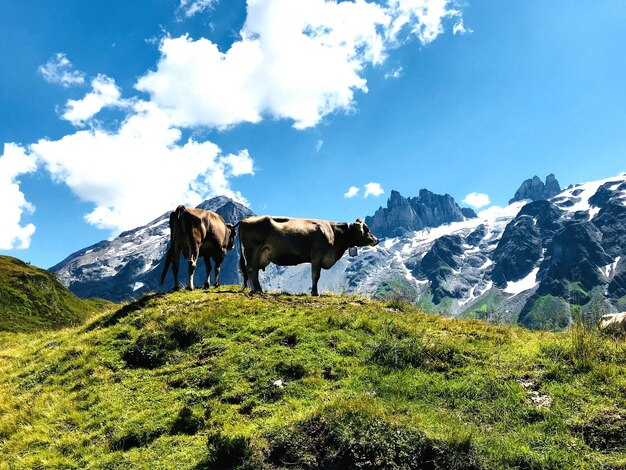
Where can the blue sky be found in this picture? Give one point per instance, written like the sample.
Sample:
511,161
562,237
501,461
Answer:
113,112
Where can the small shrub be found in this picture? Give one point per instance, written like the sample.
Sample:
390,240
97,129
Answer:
137,436
289,340
291,370
186,422
229,452
605,432
184,335
149,350
351,439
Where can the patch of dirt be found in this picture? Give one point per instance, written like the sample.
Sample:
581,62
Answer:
533,396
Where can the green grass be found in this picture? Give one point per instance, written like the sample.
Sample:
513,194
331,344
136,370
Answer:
488,308
32,299
397,288
189,380
546,313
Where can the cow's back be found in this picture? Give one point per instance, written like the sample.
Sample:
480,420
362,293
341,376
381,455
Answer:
284,240
206,228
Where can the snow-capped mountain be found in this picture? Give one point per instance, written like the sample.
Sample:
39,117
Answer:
526,262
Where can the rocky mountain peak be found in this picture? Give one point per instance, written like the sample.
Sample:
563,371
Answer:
536,190
409,214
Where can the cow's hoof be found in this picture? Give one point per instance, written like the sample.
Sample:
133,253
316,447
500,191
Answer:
207,285
216,285
176,289
190,288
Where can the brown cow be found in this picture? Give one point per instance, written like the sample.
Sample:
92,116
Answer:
196,232
289,241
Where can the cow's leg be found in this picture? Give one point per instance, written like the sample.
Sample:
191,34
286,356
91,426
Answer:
216,269
207,266
175,265
244,270
315,277
193,260
253,275
192,270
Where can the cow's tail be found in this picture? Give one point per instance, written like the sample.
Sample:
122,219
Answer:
168,262
242,262
174,234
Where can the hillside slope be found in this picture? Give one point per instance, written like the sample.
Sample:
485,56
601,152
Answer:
33,299
218,380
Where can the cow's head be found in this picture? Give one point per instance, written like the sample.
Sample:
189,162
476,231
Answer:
361,235
232,233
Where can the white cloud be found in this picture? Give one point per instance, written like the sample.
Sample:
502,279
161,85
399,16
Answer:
373,189
459,28
477,200
395,73
59,70
296,60
105,93
13,204
192,7
351,192
318,145
422,18
240,164
140,171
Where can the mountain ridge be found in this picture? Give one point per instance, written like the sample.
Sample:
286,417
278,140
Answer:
501,262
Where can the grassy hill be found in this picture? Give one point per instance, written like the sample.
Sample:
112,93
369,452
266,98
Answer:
32,299
196,380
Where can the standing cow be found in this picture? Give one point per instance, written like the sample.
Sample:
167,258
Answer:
289,241
195,233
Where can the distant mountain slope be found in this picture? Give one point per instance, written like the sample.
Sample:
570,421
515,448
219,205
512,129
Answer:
32,299
131,264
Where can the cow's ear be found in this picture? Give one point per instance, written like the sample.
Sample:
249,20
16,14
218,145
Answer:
359,221
230,226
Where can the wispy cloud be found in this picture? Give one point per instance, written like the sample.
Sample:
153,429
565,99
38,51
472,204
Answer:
105,93
59,70
373,189
459,28
14,162
477,200
395,73
193,7
318,145
352,191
